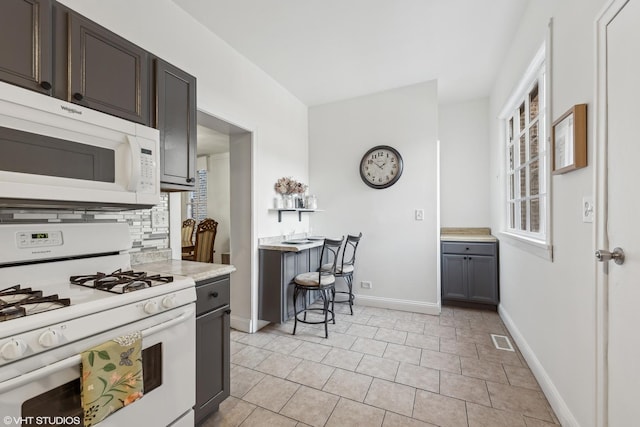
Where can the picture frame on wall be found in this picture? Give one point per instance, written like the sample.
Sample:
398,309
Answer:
569,140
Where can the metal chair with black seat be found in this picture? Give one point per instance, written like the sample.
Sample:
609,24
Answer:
345,268
205,239
322,281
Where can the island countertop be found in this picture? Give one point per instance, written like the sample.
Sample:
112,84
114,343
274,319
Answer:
296,245
196,270
292,243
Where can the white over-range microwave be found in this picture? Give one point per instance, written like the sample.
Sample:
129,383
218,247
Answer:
55,154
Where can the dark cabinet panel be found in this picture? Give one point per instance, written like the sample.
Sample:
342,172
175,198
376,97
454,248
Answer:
482,279
176,119
106,72
276,273
213,363
26,44
290,270
470,273
454,275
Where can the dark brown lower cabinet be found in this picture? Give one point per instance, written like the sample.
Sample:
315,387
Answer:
213,362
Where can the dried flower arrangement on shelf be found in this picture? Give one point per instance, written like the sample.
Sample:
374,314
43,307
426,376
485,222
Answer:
287,185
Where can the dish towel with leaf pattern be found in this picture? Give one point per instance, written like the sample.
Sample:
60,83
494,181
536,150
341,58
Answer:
111,377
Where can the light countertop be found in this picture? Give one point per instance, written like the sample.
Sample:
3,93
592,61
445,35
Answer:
196,270
478,234
301,245
294,243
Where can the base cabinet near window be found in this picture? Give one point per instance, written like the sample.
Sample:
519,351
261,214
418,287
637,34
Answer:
277,271
213,379
470,273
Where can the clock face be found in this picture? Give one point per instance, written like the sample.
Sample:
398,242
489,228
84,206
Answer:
381,167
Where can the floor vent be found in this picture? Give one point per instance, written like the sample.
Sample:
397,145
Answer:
502,342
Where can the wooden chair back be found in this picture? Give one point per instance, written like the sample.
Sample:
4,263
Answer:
205,239
188,227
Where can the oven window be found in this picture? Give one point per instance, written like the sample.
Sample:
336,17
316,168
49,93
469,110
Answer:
27,152
64,401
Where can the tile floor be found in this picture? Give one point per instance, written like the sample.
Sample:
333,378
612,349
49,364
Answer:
382,368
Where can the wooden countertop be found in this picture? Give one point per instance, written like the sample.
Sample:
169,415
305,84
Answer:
196,270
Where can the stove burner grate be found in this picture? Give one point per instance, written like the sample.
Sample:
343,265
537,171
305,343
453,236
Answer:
17,302
120,281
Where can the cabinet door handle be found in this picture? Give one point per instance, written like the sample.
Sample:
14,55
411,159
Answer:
213,295
78,96
45,85
467,248
191,179
227,311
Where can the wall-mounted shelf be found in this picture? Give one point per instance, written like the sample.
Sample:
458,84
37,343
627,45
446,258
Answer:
299,210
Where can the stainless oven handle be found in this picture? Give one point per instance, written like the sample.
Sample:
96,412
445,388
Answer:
75,360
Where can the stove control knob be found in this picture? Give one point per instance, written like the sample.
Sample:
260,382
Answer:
169,302
13,349
151,307
49,338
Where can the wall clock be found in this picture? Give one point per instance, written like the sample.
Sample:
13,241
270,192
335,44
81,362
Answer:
381,167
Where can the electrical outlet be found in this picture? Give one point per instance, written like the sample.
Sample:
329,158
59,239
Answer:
366,284
159,219
419,214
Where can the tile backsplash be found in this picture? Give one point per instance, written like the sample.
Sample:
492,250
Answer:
146,234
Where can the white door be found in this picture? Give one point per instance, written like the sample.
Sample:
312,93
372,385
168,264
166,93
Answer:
621,215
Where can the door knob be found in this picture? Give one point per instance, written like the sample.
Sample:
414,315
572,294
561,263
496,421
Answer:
617,255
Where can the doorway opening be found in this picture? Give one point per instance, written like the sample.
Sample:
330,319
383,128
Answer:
224,193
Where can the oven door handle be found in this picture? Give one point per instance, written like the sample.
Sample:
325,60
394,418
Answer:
23,379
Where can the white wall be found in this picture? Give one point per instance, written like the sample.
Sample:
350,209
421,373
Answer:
229,87
463,131
551,305
397,253
218,200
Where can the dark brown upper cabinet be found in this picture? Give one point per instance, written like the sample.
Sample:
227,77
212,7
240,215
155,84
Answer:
176,119
26,43
107,72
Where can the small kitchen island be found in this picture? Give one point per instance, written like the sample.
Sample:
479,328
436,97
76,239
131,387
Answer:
213,363
280,262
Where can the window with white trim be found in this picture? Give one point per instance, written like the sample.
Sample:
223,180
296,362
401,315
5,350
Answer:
525,126
197,199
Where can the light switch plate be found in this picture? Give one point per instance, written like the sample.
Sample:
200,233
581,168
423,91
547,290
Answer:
419,214
588,209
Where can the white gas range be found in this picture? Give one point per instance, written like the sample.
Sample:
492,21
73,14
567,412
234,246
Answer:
58,297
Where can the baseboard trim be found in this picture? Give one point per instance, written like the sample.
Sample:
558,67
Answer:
558,404
240,323
398,304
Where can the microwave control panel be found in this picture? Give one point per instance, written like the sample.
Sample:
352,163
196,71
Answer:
147,171
38,239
